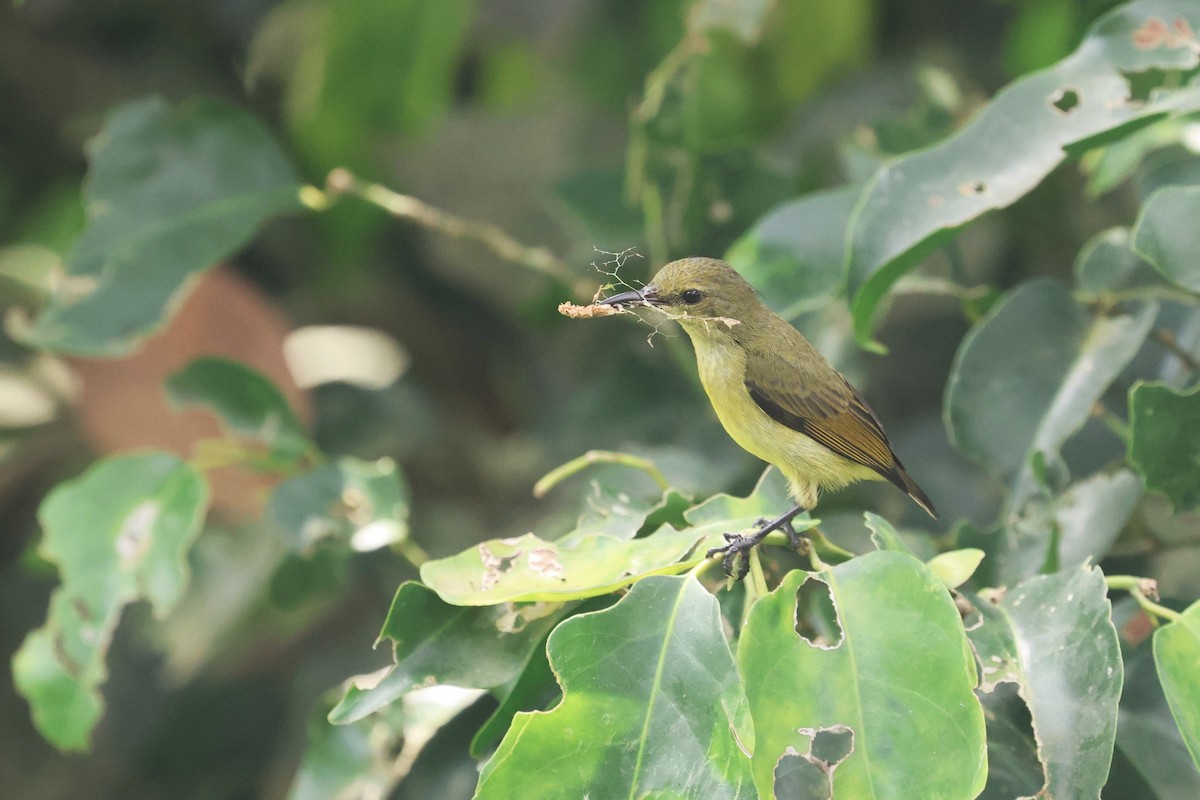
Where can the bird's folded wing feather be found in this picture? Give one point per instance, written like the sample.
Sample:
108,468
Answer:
828,410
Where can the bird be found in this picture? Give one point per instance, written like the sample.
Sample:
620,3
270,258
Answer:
773,392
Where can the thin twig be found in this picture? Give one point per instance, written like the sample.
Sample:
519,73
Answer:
559,474
1167,339
490,235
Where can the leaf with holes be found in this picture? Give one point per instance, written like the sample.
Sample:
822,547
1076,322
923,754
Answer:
651,704
170,192
119,533
1164,438
360,503
1176,654
436,643
1054,638
529,568
916,202
864,668
245,401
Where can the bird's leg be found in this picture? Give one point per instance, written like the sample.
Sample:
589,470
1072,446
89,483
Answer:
737,552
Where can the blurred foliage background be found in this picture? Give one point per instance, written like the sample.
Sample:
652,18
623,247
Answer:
588,127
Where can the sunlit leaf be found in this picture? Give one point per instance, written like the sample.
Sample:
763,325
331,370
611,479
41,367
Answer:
119,533
919,200
245,401
436,643
1054,638
529,568
955,567
897,635
1176,654
652,707
170,192
1164,438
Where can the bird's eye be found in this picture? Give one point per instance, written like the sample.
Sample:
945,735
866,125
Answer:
691,296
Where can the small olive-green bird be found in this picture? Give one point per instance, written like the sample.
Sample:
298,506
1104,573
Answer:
774,393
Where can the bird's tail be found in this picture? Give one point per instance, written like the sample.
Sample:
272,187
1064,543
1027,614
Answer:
905,482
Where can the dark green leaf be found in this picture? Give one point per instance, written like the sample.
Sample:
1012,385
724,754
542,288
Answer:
1054,638
1166,234
1177,654
170,193
1108,264
119,533
652,707
919,200
898,635
1164,438
245,401
436,643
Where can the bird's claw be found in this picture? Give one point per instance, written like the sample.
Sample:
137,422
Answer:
736,561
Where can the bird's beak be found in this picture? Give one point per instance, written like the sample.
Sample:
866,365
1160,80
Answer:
646,297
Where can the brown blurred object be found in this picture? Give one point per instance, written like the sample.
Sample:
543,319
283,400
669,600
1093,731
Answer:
123,404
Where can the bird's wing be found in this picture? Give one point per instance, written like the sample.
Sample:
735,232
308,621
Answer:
827,410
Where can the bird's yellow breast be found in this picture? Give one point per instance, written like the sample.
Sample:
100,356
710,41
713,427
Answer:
808,465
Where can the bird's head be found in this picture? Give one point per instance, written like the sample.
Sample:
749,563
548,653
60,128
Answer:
695,289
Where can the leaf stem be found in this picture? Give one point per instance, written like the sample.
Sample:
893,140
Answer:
559,474
1167,339
1109,418
1145,592
540,259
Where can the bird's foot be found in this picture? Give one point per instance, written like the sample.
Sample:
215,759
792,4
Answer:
736,553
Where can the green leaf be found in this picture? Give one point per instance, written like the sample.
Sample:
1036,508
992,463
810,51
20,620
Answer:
532,689
622,516
119,533
916,202
337,117
1164,440
955,567
529,568
436,643
652,707
1147,734
1026,377
1176,654
170,193
245,401
895,670
360,503
1106,263
343,758
795,255
884,535
1054,638
1091,514
1165,234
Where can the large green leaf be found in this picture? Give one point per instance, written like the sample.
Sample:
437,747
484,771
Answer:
1091,514
1026,377
795,255
1024,380
245,401
1166,234
437,643
1054,638
1164,438
917,201
891,666
1177,654
652,707
170,192
119,533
